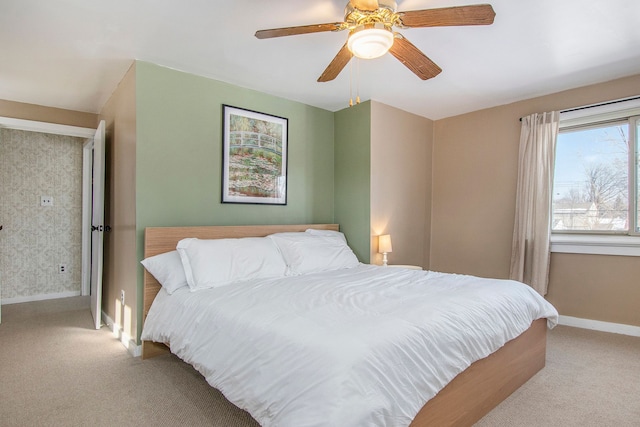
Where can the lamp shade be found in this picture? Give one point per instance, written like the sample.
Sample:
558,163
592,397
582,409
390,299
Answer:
384,243
368,42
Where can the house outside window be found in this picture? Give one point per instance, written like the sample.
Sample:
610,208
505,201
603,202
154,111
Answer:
596,188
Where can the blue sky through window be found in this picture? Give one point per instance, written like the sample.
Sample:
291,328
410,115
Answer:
577,150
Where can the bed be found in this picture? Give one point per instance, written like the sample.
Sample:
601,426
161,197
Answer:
468,396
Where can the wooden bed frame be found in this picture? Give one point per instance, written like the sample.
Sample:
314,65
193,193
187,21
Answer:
464,401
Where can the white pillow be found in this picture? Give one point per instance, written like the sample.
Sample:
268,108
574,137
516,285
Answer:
219,262
167,269
307,253
326,233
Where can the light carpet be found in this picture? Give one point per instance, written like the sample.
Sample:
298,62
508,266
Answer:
55,370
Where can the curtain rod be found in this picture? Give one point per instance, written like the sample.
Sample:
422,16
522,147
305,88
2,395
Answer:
601,104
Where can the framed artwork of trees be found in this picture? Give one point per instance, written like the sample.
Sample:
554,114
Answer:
254,159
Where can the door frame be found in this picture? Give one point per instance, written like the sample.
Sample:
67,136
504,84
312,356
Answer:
87,174
81,132
97,221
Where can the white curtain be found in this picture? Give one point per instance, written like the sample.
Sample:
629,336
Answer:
532,229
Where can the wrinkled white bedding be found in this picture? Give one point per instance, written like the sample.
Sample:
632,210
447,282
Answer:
366,346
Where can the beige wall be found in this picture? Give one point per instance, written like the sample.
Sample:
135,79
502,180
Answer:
120,259
401,146
474,184
597,287
39,113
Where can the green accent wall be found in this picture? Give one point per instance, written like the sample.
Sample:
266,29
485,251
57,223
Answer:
352,177
179,155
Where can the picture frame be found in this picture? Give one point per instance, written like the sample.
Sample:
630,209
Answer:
254,158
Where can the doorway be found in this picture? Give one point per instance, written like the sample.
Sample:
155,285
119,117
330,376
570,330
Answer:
52,213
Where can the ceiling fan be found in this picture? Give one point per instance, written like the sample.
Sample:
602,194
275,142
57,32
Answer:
370,24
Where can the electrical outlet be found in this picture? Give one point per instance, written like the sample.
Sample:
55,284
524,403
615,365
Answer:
122,296
46,201
62,268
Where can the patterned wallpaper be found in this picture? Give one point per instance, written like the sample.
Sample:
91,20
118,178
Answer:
36,239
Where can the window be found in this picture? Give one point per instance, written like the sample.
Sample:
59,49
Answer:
595,188
591,179
636,160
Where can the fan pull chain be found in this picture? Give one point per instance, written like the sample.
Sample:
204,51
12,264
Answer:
350,83
358,81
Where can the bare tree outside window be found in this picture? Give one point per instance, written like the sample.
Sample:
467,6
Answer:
591,184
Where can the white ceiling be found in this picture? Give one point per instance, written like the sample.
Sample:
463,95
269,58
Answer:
72,53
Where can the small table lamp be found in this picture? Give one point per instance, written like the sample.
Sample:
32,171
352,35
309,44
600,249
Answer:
384,246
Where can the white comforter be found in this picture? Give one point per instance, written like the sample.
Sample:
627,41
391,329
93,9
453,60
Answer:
366,346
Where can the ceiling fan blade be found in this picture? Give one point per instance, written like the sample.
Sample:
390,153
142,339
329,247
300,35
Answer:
342,58
364,4
293,31
413,58
479,14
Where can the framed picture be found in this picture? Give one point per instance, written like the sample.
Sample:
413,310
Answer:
254,159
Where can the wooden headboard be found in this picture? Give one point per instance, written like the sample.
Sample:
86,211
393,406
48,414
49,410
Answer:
159,240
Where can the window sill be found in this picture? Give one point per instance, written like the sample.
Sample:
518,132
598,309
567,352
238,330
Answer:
595,244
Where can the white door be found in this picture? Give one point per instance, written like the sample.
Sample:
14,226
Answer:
97,224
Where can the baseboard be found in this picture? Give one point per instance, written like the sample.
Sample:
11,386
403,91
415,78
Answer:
134,349
43,297
597,325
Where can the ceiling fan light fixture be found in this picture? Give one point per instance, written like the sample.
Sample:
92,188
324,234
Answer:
370,41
